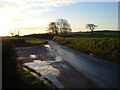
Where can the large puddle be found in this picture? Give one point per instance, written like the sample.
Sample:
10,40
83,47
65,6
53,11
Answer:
46,69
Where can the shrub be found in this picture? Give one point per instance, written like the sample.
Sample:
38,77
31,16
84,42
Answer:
9,65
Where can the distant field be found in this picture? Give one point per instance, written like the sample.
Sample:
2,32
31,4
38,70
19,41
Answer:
97,34
106,48
40,36
24,41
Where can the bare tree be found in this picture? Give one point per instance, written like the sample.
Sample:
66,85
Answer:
53,28
18,33
15,33
12,33
91,26
63,26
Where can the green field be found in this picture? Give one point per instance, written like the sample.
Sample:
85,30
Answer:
97,34
106,48
24,41
40,36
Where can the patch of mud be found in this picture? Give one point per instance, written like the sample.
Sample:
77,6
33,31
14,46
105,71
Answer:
28,54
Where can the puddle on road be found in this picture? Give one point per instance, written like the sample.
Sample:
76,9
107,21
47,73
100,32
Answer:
46,70
20,58
48,46
58,58
33,56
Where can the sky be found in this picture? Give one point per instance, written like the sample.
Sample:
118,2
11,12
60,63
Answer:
33,16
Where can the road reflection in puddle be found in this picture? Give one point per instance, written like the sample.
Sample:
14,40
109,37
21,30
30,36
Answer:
58,58
48,46
46,70
33,56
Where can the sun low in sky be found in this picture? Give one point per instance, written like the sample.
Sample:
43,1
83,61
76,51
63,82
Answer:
33,16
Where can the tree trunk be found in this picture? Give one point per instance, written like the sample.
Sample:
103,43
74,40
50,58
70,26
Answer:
92,32
56,32
60,31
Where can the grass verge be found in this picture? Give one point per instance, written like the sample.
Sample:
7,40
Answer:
105,48
32,81
25,41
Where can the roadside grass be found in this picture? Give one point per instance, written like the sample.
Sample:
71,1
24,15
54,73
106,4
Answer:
32,81
105,48
25,41
35,41
41,36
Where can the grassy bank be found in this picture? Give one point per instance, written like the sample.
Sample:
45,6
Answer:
24,41
105,48
41,36
30,80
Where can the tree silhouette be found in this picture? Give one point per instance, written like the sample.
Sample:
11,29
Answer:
60,26
53,28
91,26
63,26
15,33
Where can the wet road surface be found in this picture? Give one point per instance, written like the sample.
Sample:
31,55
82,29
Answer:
67,68
104,73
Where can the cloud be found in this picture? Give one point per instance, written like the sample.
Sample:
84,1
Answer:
5,6
29,7
33,28
31,4
51,3
16,20
42,3
1,6
45,3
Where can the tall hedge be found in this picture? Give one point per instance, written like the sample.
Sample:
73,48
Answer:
9,65
106,48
